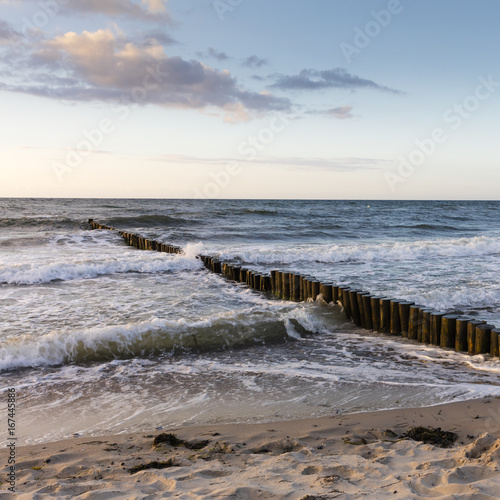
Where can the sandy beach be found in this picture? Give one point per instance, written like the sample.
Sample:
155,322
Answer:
342,456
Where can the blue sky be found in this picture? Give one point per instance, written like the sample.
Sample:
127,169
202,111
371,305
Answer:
392,99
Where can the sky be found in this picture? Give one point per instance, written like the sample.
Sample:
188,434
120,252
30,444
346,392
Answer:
289,99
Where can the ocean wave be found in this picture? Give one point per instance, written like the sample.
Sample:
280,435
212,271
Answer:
150,221
372,252
143,262
152,338
41,223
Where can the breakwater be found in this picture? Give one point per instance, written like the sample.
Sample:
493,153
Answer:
386,315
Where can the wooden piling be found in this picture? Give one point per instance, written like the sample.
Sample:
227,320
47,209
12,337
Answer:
367,311
256,281
471,336
346,302
353,300
243,275
375,307
385,315
315,287
448,330
336,295
395,320
326,290
436,327
404,316
483,337
274,272
277,284
286,286
494,342
426,326
361,308
295,287
413,322
461,334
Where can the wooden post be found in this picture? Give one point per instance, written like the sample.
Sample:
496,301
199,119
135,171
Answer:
353,299
243,275
361,308
395,321
265,283
279,285
375,307
256,281
494,342
385,315
315,289
436,327
448,330
483,336
308,284
326,292
236,273
471,336
404,316
302,290
336,295
274,272
295,287
346,302
413,322
426,326
286,286
367,311
461,335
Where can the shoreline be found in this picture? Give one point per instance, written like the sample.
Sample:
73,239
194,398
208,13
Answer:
340,456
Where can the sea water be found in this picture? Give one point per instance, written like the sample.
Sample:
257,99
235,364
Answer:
100,338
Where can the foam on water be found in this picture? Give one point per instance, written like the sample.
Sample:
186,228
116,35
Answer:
99,337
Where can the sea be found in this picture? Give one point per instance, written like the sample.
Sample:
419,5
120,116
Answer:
100,338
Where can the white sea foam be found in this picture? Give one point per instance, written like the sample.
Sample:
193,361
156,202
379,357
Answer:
366,252
143,262
224,329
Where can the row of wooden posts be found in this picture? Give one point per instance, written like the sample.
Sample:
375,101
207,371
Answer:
381,314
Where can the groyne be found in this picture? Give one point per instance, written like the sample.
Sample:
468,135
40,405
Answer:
389,316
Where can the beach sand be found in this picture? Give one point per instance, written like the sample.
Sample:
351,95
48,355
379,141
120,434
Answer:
343,456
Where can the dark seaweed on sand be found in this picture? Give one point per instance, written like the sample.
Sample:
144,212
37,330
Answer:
428,435
153,465
173,440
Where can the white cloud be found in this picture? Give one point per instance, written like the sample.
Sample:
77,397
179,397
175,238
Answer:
106,66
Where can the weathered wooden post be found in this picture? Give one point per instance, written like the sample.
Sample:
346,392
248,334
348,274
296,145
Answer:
286,286
326,291
346,301
395,320
471,336
426,326
385,315
361,307
461,334
448,330
436,327
404,316
279,285
367,311
375,307
353,300
483,336
494,342
315,289
274,272
413,321
295,287
336,295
